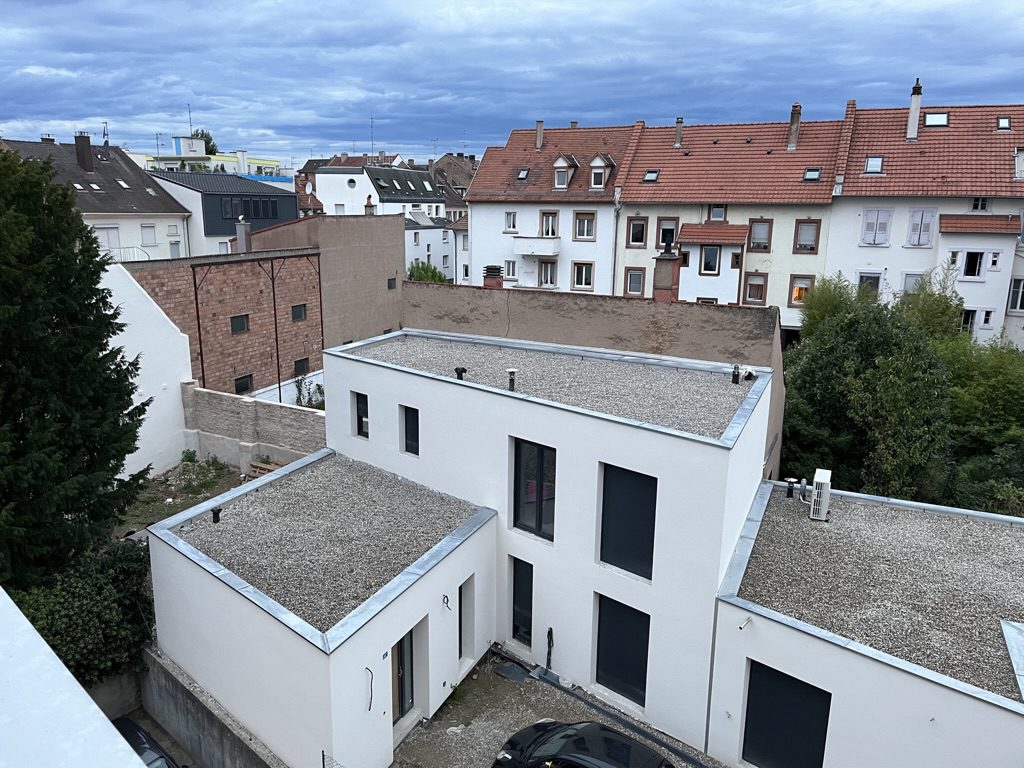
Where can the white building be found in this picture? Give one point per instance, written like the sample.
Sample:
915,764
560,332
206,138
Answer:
430,241
349,190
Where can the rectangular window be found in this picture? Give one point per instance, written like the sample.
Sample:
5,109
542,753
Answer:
522,601
236,207
225,207
298,312
967,319
467,616
444,259
175,249
786,720
635,282
667,232
973,263
547,274
243,384
710,259
465,271
597,178
623,635
301,367
465,247
805,236
523,173
273,209
1016,295
651,175
510,269
812,174
875,229
919,233
444,236
1018,163
1003,123
534,489
583,275
636,228
510,221
760,238
716,212
936,119
149,234
910,281
392,283
415,238
628,505
247,207
684,259
873,164
410,430
979,204
799,285
561,178
362,414
993,261
549,224
584,226
239,324
755,288
986,318
869,283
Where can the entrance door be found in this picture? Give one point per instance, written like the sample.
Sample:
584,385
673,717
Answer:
401,678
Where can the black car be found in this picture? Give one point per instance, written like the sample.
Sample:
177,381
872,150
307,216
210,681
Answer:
549,744
145,746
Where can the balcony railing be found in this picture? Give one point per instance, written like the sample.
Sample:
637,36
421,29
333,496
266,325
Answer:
535,246
130,253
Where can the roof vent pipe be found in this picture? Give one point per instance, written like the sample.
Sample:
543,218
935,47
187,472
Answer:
460,373
216,514
679,133
511,379
736,374
914,116
794,127
540,134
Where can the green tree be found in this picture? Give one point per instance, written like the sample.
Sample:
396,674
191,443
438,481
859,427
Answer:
67,416
426,273
207,137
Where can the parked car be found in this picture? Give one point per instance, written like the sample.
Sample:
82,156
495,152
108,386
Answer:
550,744
145,746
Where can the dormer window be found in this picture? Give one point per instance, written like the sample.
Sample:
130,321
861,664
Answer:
599,171
523,173
651,175
812,174
873,164
597,178
1003,123
936,119
564,166
561,178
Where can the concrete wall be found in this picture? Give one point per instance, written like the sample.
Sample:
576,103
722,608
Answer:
197,721
879,715
164,357
745,335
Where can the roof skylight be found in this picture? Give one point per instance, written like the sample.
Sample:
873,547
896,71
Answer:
873,164
936,119
523,173
123,184
76,185
812,174
651,174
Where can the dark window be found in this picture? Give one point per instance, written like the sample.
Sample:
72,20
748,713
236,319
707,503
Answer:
622,636
236,207
392,283
302,366
273,209
362,415
247,207
627,520
534,505
298,312
787,720
225,207
972,263
411,423
522,601
239,324
243,384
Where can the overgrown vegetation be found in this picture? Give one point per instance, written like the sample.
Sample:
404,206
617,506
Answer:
308,394
426,273
207,137
898,401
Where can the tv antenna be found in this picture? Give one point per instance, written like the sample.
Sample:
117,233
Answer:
189,105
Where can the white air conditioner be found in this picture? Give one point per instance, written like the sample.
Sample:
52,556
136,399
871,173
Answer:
821,493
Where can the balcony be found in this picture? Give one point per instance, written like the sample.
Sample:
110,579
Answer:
131,253
544,247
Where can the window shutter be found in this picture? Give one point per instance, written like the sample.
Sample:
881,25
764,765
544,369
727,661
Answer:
870,220
927,217
882,227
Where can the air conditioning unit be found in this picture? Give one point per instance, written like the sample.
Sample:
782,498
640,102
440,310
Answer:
820,495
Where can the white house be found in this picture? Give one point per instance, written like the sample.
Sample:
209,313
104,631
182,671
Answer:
430,241
348,190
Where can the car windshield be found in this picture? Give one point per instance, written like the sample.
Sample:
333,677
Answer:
552,744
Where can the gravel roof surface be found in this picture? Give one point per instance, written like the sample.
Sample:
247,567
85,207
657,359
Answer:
921,586
692,401
325,539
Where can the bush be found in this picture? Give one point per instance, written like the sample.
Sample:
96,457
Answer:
98,614
426,273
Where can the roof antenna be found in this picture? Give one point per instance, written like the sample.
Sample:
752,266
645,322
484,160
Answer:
189,105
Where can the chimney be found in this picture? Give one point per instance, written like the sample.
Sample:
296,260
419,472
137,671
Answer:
914,116
380,156
459,154
411,163
83,151
243,233
472,158
679,133
794,126
430,165
492,277
47,138
368,209
574,124
540,134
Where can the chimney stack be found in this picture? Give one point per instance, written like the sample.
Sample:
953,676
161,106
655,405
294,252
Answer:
243,231
368,209
540,134
47,138
493,276
574,124
914,116
472,158
679,133
83,151
794,127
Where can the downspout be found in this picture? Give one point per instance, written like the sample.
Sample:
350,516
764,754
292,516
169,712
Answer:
617,207
277,345
199,327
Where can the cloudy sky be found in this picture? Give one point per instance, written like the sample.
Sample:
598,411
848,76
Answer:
295,79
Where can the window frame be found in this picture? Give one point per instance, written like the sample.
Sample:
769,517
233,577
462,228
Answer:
936,120
542,457
407,412
979,203
817,236
1019,309
360,415
295,367
252,384
642,271
999,123
580,216
541,266
876,274
149,229
712,207
718,261
630,220
925,215
564,172
792,281
544,216
593,173
576,285
903,282
519,567
303,313
876,213
751,248
650,175
511,274
625,519
746,289
675,230
245,322
870,163
981,265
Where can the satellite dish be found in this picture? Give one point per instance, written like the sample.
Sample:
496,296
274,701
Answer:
309,187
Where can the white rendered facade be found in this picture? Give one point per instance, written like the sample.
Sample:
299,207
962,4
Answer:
140,237
346,191
431,245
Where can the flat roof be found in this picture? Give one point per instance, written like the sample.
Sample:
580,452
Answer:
323,540
678,394
925,585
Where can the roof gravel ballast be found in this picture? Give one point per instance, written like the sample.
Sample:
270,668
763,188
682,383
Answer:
695,398
920,585
323,540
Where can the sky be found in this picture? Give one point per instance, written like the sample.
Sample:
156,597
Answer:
292,80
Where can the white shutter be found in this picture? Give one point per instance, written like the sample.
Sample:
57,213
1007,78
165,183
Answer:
882,228
870,220
927,219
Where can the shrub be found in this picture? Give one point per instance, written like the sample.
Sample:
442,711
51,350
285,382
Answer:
426,273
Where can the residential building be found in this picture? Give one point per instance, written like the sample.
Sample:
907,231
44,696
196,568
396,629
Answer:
219,200
351,190
188,153
305,186
460,242
452,174
429,240
133,216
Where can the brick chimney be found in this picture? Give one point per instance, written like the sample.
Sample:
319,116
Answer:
914,116
794,127
83,151
540,134
47,138
492,276
679,133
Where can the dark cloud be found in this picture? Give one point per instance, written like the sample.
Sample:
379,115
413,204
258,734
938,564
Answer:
278,80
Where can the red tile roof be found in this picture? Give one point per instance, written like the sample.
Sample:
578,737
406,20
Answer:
460,224
723,234
966,159
979,224
739,163
497,177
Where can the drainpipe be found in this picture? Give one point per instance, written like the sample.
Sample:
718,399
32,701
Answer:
617,207
199,326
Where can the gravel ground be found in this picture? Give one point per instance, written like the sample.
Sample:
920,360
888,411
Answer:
324,540
679,398
472,726
923,587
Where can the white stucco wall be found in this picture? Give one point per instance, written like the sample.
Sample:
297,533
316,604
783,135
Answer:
166,228
440,248
1013,324
880,715
333,190
165,363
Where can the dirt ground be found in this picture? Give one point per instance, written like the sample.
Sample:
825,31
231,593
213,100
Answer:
486,709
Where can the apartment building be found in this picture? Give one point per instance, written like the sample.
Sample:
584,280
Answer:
351,190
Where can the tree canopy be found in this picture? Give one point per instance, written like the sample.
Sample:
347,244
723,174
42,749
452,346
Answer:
67,416
426,273
207,137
